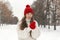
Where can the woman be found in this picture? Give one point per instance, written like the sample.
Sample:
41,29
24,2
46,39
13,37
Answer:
28,28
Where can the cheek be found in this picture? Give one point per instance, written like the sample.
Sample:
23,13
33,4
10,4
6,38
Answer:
31,15
26,15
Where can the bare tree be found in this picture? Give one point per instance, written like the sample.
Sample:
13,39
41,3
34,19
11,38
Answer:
6,14
38,7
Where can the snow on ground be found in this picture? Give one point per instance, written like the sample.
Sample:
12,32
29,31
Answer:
50,34
9,32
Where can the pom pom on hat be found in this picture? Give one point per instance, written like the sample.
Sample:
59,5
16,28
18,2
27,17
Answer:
28,9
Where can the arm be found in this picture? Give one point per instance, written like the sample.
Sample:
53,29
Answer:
23,33
36,32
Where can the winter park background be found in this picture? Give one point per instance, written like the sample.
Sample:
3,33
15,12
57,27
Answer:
47,13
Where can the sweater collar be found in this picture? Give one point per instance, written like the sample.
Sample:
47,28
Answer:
28,20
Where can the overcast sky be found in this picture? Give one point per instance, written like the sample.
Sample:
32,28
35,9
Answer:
18,6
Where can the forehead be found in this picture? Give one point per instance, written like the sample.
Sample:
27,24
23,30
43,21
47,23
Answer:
29,13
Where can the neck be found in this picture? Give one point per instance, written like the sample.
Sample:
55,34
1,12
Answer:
28,19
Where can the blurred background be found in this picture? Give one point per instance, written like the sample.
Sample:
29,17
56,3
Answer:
47,12
11,11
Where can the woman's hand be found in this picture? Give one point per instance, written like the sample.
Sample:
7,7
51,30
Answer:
27,29
32,25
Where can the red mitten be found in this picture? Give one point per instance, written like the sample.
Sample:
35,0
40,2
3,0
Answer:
33,25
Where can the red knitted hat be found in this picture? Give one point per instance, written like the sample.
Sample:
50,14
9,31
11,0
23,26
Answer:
28,9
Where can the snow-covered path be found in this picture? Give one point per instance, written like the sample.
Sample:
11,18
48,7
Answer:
9,32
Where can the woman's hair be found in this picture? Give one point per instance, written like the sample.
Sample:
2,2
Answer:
23,23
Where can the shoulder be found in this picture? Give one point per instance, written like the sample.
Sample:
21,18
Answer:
35,21
18,25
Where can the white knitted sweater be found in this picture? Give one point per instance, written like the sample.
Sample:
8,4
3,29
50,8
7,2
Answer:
25,35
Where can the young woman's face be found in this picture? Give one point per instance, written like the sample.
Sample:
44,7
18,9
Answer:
29,15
